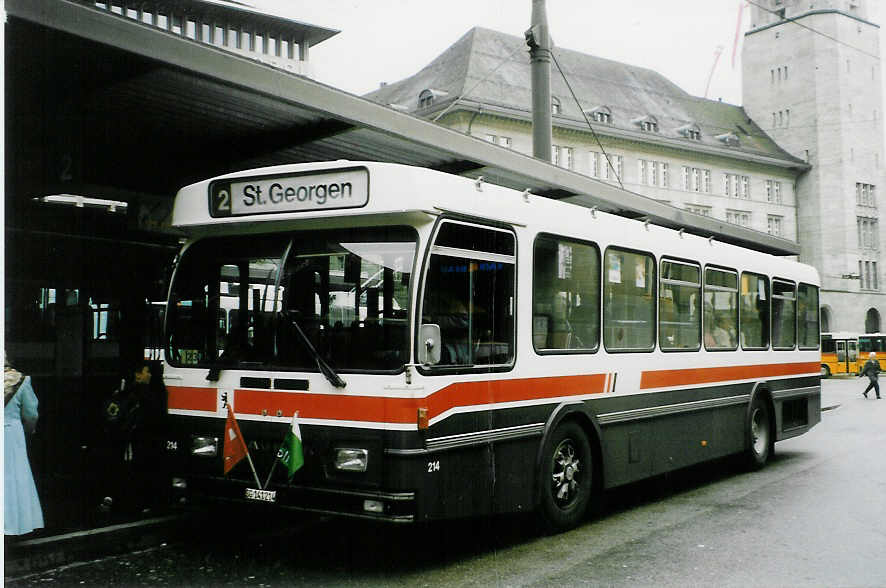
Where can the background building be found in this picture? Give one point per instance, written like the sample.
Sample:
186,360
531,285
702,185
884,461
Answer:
812,81
758,166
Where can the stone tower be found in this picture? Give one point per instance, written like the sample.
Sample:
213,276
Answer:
812,81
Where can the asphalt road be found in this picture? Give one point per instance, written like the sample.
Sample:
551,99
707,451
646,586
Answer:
815,516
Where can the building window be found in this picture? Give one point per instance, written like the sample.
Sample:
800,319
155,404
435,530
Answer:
736,186
601,114
773,191
738,217
562,156
425,99
653,173
499,140
868,272
649,126
774,225
699,209
868,233
556,108
603,169
865,194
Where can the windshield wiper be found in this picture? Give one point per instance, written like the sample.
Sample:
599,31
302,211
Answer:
325,368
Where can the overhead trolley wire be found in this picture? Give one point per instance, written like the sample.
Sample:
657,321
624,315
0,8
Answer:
585,115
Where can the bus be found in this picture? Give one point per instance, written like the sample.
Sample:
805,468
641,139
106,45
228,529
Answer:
839,354
452,348
875,342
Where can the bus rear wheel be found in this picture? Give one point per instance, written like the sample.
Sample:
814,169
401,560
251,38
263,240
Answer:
566,478
825,371
759,434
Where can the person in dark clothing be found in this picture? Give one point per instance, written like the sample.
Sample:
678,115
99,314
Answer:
871,369
132,416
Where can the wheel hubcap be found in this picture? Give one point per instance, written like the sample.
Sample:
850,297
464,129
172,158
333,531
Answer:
759,432
565,478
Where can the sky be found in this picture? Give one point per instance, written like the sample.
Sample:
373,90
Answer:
388,40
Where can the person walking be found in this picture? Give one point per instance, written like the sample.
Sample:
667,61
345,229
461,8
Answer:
21,505
871,369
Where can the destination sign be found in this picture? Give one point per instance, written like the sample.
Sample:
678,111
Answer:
344,188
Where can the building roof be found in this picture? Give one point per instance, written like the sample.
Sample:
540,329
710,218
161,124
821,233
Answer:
489,68
163,110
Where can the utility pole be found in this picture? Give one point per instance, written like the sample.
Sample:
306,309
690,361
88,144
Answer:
539,41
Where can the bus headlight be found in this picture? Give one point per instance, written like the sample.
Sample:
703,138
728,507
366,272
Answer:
204,446
351,460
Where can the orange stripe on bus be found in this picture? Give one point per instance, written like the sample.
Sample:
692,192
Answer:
190,398
687,377
389,410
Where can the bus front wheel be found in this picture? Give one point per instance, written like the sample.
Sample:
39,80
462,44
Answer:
566,478
825,371
759,433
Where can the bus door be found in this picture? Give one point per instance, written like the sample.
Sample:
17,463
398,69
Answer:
852,357
847,357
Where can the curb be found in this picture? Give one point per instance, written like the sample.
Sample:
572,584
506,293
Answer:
44,553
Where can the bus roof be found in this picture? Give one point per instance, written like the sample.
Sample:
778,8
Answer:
272,198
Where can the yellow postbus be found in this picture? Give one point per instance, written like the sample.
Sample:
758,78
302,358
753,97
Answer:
839,354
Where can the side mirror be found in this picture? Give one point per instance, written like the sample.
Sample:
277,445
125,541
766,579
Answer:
429,344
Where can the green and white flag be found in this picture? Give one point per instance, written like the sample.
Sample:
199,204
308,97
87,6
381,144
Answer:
290,453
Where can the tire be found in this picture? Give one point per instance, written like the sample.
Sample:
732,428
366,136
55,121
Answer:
825,371
565,478
759,434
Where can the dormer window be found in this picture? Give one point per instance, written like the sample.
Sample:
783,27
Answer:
601,114
556,108
428,96
730,139
690,131
648,124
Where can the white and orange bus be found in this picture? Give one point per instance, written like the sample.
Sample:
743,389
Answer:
454,348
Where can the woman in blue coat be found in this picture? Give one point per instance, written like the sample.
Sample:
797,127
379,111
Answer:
21,506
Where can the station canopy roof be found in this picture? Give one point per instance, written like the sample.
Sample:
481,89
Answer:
146,111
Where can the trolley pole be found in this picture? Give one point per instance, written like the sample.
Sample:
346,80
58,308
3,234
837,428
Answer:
539,41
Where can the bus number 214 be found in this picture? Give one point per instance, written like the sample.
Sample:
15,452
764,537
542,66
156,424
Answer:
433,466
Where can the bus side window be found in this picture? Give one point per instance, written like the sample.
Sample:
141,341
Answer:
784,314
565,294
807,317
754,311
679,320
628,301
720,319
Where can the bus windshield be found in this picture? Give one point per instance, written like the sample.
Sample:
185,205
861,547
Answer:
241,301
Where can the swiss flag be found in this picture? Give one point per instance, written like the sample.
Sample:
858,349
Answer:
235,446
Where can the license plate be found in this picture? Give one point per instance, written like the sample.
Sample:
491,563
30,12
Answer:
262,495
